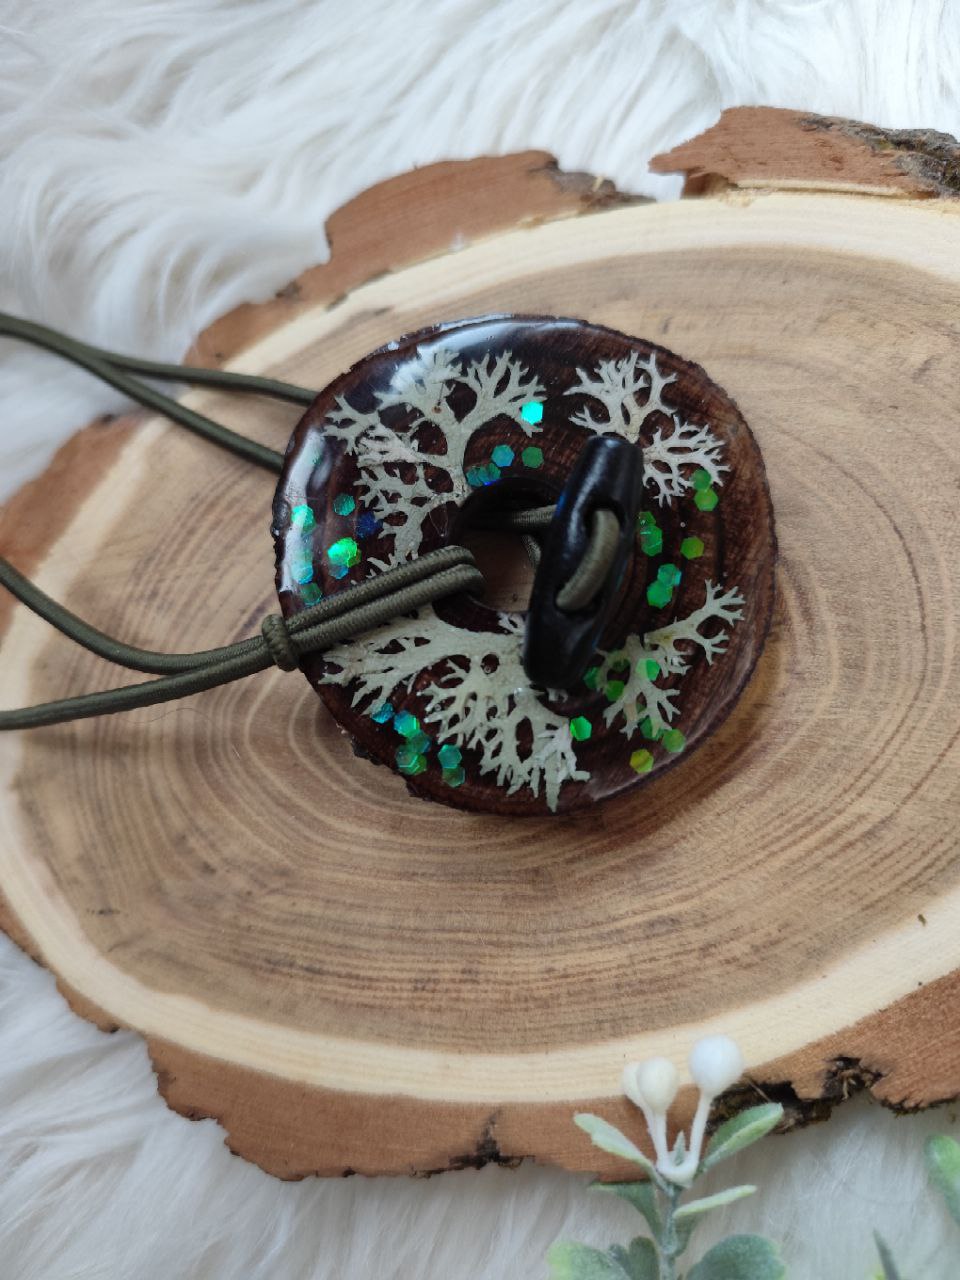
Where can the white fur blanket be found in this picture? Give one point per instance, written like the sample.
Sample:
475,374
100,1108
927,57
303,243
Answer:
162,160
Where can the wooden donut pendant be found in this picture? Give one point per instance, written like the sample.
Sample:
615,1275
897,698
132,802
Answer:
398,454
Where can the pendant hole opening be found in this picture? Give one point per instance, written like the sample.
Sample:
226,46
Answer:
501,557
506,568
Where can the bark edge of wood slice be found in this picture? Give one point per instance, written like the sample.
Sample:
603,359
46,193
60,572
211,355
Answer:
449,994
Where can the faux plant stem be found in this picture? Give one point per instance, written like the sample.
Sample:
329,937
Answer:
669,1246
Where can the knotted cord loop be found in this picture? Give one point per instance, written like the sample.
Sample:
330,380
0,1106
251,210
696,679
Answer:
278,641
282,641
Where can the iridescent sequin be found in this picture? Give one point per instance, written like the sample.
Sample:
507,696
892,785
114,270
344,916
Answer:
503,455
580,728
302,517
673,740
410,762
641,761
651,535
449,756
532,412
454,777
532,457
344,552
368,525
311,594
691,548
701,479
706,499
301,570
382,714
406,724
343,504
659,594
668,573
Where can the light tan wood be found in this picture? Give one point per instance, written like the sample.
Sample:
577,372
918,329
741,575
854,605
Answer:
351,980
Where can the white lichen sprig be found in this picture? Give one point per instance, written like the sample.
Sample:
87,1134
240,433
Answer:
630,391
720,605
642,661
480,697
715,1064
395,482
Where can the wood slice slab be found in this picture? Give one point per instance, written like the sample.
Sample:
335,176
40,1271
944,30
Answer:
352,981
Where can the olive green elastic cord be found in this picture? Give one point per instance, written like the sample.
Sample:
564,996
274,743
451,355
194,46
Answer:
282,642
109,367
385,585
591,573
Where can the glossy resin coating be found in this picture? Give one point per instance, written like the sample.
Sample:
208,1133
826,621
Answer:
398,455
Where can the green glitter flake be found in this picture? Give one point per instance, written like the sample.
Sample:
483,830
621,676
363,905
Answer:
651,668
580,728
614,689
454,777
668,573
651,541
406,724
532,412
646,520
591,677
311,594
647,730
532,457
382,714
674,740
691,548
419,742
620,663
475,477
491,473
503,455
343,504
706,499
641,761
302,517
302,571
344,552
659,594
701,480
449,756
410,762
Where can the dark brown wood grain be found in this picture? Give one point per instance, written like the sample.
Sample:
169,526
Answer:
738,537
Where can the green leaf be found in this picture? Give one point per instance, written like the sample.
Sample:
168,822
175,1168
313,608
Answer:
609,1138
569,1261
742,1130
943,1164
890,1271
639,1261
695,1207
740,1258
643,1198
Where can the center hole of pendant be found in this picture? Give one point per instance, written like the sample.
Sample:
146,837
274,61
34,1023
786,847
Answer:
502,555
505,565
